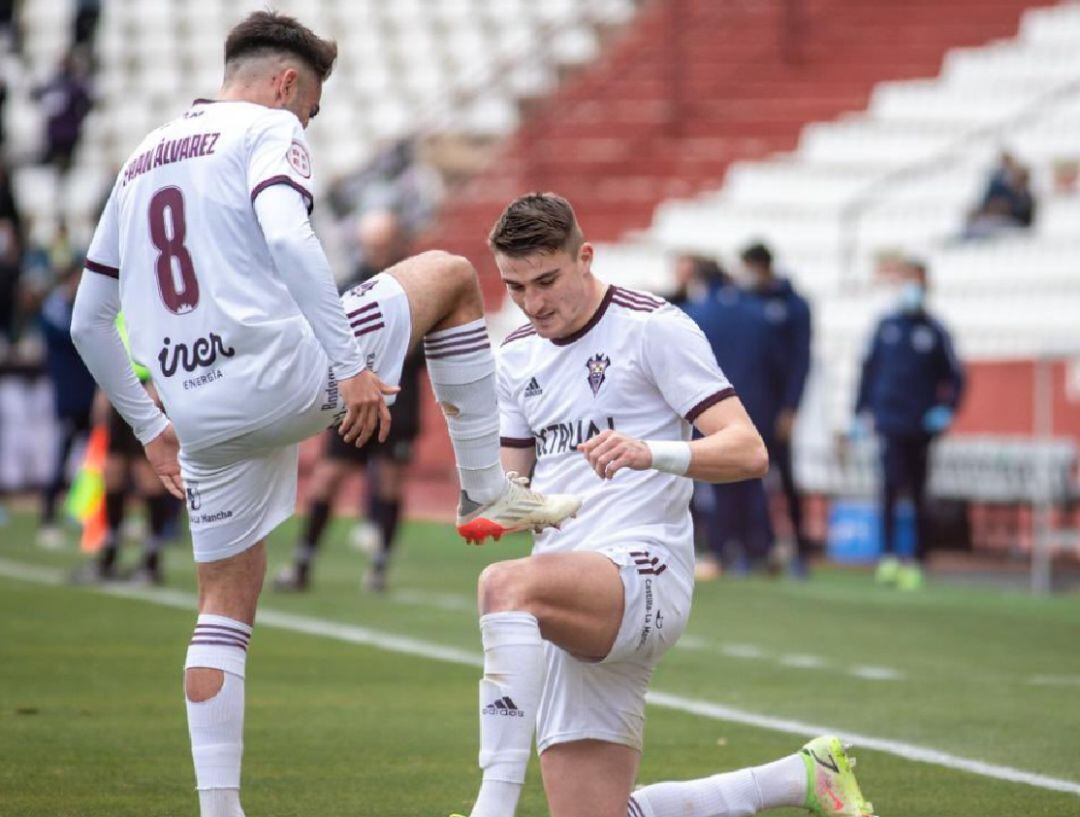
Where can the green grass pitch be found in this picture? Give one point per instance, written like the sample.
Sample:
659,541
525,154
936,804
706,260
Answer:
92,720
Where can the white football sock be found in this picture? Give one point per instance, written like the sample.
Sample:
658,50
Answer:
462,371
216,725
732,794
509,698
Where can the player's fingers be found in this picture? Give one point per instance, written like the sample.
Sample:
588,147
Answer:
384,422
386,388
591,443
603,449
347,423
370,419
606,462
172,485
620,462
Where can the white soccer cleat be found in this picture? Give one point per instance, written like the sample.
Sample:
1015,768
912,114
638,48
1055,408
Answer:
518,508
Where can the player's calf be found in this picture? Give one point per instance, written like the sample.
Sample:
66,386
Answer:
214,682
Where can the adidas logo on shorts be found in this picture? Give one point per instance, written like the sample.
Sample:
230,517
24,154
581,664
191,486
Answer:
504,706
533,389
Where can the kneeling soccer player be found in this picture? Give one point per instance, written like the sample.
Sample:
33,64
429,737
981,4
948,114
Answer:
598,393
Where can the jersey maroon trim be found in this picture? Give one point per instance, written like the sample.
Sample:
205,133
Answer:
517,442
708,403
638,297
519,333
632,306
103,269
287,180
595,319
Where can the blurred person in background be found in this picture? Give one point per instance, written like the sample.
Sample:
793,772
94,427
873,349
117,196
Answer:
128,473
396,179
10,272
43,266
73,395
690,271
1007,203
911,385
65,100
739,530
3,105
9,29
85,24
788,315
383,242
11,249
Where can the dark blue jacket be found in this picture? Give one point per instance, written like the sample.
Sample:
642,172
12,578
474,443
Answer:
746,349
73,385
789,315
910,369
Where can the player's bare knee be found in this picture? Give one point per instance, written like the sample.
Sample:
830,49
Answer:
202,683
504,587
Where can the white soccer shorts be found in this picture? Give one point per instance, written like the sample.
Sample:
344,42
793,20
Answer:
239,490
605,700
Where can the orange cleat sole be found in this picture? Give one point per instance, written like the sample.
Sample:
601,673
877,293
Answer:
478,530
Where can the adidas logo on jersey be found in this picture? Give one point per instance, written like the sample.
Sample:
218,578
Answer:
505,707
533,389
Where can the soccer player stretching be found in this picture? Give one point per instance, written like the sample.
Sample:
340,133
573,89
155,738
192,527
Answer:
206,245
598,392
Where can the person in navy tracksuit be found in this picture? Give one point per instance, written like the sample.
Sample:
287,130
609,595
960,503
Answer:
788,315
73,394
910,388
745,347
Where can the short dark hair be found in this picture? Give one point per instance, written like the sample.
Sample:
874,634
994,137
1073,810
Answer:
711,270
537,222
757,253
264,32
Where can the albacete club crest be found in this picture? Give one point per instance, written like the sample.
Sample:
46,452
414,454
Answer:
597,366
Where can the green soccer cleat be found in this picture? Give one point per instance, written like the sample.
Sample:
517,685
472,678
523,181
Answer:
832,790
910,578
888,570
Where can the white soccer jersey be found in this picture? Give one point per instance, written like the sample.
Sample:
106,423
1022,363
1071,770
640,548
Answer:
227,346
639,366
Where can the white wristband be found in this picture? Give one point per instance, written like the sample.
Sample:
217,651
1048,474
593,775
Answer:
670,456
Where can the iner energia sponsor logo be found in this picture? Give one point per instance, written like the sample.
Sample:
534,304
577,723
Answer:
202,353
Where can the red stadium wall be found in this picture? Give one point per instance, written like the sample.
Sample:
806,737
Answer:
1000,399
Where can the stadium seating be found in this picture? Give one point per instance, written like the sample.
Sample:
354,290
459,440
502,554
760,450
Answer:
403,66
903,174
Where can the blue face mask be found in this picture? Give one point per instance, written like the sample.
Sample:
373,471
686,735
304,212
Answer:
912,296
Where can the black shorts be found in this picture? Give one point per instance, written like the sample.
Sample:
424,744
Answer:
404,426
397,448
122,440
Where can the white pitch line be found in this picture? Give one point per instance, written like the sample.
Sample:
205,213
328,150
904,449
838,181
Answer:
801,661
423,649
742,651
1055,680
869,673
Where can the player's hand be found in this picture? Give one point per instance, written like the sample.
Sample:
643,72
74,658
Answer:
365,408
163,452
610,451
